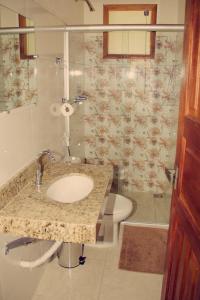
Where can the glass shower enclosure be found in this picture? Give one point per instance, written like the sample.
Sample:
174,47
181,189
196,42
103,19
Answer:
129,119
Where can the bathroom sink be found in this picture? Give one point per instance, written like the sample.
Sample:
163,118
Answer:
71,188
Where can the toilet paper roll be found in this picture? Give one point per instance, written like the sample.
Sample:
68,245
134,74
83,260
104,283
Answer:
66,110
55,109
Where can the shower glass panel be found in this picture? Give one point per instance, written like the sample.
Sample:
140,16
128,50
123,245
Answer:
130,118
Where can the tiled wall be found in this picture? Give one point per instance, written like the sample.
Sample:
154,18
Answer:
18,81
130,117
27,130
24,132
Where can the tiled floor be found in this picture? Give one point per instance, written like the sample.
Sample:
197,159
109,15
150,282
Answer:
98,279
150,210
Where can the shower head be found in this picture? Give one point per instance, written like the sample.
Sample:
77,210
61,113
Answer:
91,7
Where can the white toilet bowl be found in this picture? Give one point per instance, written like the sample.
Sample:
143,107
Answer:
121,210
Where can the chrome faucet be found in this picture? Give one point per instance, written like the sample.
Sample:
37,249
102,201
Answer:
40,165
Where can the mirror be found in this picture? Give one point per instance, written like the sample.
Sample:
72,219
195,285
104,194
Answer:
17,64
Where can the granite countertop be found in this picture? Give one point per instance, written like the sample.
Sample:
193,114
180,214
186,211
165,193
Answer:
27,212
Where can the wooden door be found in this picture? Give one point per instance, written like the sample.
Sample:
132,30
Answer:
182,274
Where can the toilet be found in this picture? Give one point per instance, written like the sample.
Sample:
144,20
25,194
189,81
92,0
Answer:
121,209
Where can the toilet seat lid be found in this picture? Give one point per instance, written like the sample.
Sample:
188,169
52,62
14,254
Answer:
122,205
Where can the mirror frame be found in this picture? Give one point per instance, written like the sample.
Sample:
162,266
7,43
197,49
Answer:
23,40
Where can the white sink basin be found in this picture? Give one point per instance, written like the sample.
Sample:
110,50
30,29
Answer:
70,188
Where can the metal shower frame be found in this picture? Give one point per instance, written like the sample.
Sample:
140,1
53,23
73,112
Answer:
96,28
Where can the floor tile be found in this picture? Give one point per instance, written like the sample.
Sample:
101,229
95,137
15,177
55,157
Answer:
98,279
81,283
120,285
95,253
145,212
125,285
162,209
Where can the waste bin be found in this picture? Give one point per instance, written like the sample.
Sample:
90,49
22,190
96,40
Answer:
71,255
